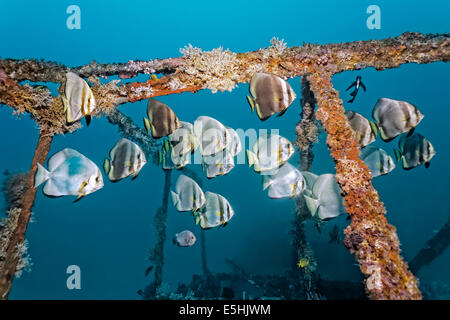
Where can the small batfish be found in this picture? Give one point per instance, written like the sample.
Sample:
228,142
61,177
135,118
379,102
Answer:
181,161
378,161
171,160
188,196
127,158
269,152
162,121
309,180
414,150
366,131
165,159
394,117
326,201
77,98
235,147
216,212
212,136
218,164
184,239
270,95
183,140
286,182
223,162
69,173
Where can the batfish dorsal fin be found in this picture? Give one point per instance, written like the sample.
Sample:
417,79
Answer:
58,158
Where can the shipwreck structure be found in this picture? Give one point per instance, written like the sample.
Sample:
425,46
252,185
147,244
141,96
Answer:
370,237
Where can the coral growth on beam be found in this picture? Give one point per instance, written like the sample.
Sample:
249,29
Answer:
369,237
16,239
217,69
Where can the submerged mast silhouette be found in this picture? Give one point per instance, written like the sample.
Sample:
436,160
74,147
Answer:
306,134
432,249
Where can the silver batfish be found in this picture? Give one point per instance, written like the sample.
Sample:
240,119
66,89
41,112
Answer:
269,152
183,139
286,182
270,95
161,121
172,160
77,98
188,195
69,173
223,162
216,212
378,161
394,117
366,131
212,136
326,201
218,164
414,151
127,158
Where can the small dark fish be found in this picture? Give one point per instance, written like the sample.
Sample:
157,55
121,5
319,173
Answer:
270,94
6,173
162,121
357,84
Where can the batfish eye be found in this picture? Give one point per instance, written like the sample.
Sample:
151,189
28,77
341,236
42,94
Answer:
97,179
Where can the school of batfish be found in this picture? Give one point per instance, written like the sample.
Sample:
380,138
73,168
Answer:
71,173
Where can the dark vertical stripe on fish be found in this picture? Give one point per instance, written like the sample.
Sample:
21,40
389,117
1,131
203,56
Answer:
83,93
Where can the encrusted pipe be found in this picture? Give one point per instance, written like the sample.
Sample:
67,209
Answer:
306,135
9,265
369,237
219,70
157,254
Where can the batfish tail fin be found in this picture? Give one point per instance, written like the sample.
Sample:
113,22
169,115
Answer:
41,176
250,158
107,166
251,102
374,127
175,198
147,124
398,155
